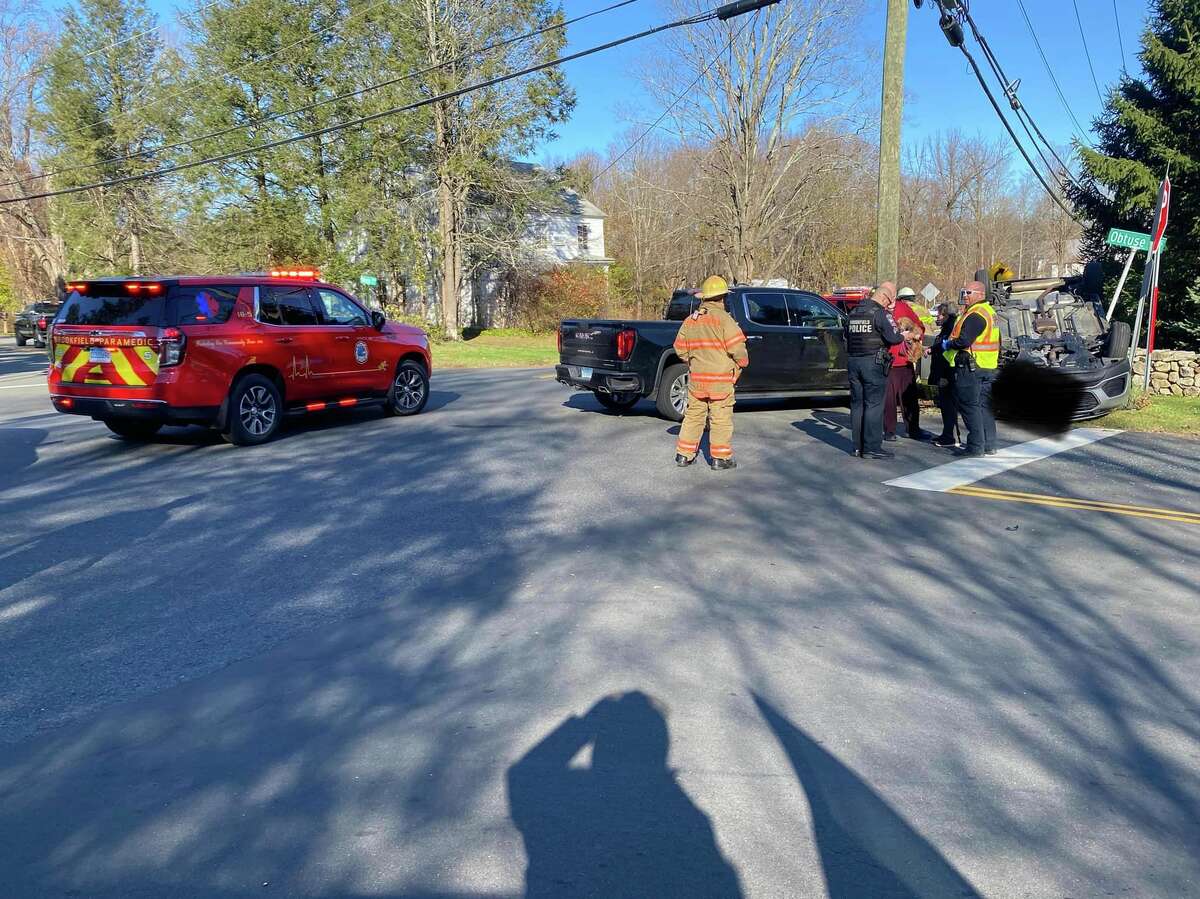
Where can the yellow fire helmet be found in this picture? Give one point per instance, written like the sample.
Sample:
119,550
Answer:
714,286
1001,272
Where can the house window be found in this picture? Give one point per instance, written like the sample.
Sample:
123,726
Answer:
583,232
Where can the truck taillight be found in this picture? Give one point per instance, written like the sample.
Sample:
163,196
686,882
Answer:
625,341
560,340
42,323
171,345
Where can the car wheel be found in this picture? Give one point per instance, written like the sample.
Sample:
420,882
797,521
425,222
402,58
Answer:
409,391
673,392
21,339
39,343
255,411
618,402
133,430
1116,344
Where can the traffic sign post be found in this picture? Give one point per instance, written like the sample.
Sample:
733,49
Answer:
1120,284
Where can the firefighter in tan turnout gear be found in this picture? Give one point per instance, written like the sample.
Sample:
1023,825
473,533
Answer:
714,348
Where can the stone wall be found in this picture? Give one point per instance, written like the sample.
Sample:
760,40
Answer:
1173,372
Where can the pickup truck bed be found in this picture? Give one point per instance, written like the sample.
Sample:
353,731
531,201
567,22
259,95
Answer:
795,339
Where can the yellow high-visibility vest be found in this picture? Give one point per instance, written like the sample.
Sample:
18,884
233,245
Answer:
986,348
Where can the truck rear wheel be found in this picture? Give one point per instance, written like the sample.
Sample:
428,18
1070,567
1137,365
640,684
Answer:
672,392
617,402
21,339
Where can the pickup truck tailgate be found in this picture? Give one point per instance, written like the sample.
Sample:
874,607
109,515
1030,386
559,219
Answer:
590,342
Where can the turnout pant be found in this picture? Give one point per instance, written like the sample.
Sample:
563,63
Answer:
902,392
973,393
868,381
717,415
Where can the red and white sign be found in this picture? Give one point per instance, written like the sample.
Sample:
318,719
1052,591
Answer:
1152,262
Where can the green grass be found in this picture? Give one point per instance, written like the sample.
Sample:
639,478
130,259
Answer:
502,348
1158,414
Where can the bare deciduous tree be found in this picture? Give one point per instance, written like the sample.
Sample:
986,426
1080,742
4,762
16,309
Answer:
749,92
34,256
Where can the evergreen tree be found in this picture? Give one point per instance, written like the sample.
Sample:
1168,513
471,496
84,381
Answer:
104,104
1150,123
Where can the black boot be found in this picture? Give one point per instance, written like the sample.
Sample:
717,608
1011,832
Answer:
683,461
723,464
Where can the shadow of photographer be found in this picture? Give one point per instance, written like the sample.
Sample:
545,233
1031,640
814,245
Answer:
617,824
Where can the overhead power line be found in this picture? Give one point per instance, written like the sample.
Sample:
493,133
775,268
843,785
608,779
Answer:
1087,52
954,33
1024,153
318,103
1050,72
1023,114
675,102
1120,36
724,12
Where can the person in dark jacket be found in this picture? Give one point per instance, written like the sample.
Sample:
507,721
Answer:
941,376
870,331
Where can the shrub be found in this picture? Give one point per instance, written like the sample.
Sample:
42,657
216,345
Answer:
543,299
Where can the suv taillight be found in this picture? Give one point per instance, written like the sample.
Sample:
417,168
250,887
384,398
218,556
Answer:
625,341
171,346
42,323
560,340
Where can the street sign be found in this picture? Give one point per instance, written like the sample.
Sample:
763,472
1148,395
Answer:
368,280
1132,240
930,293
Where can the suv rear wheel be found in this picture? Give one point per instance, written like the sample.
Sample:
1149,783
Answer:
409,391
21,339
255,411
133,430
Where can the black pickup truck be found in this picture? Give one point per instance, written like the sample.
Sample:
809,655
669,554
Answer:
796,342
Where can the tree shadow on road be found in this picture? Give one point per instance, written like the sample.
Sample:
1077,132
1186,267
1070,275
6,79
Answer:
866,848
832,429
620,825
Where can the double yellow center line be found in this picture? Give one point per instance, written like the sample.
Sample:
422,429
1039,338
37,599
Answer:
1086,505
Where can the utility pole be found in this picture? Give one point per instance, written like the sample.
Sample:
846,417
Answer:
887,260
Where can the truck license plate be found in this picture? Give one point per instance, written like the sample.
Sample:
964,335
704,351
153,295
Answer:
585,374
99,354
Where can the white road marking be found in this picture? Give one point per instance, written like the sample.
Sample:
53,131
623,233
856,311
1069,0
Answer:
967,471
41,384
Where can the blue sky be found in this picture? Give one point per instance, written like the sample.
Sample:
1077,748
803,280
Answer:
941,92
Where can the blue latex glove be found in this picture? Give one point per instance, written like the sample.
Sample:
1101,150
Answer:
945,345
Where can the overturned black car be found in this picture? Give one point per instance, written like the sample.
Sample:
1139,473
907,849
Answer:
1059,324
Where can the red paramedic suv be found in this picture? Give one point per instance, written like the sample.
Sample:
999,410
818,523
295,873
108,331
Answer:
237,353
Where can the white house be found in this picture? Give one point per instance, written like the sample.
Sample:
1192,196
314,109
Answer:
572,233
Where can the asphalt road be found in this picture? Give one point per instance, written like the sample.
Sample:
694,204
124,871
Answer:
373,658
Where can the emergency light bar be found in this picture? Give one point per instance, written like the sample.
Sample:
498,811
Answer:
303,274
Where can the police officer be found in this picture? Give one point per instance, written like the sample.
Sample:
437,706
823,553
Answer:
869,332
714,348
973,352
